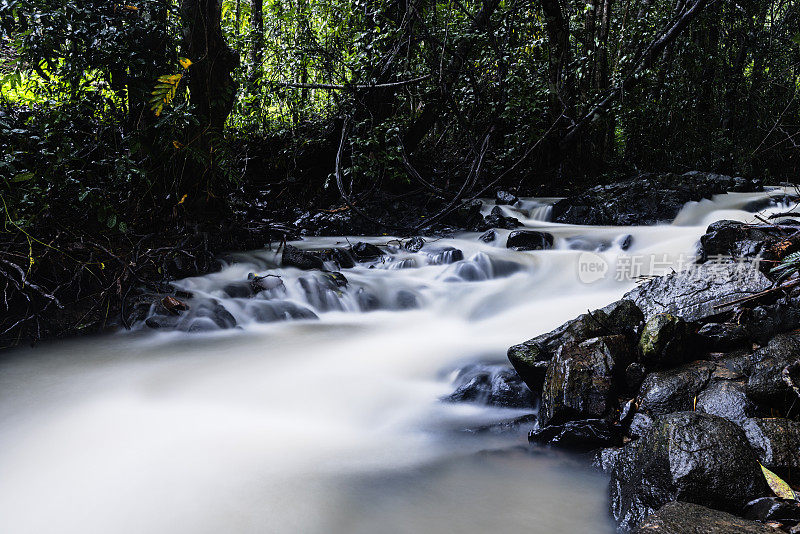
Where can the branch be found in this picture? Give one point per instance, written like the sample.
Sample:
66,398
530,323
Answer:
349,86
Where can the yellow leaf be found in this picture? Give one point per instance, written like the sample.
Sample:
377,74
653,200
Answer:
178,145
171,79
185,62
777,485
183,198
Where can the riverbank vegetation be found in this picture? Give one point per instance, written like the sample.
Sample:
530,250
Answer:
141,138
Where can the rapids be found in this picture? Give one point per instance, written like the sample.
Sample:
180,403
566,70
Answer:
328,421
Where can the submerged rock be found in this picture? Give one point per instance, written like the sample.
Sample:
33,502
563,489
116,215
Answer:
583,436
686,456
644,200
492,384
687,518
702,291
529,240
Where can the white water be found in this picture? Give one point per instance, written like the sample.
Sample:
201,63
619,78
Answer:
318,426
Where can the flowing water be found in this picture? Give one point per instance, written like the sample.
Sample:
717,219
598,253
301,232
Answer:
329,421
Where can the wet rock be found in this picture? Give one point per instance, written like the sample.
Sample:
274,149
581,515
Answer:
530,358
604,459
518,424
579,383
257,284
765,383
467,215
495,385
644,200
663,341
635,374
162,321
777,445
625,241
367,301
238,290
488,236
336,278
583,436
173,305
766,509
497,219
529,240
294,257
684,456
365,251
208,316
722,336
702,291
674,390
687,518
272,311
728,399
321,291
444,256
341,257
406,300
414,244
737,240
762,323
640,424
504,197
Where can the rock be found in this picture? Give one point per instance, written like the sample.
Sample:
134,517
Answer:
492,384
762,323
674,390
737,240
322,291
635,374
341,257
580,379
406,300
640,423
581,436
173,305
728,399
266,283
644,200
686,518
278,310
766,509
504,197
367,301
414,244
663,341
444,256
496,219
529,240
777,445
365,251
530,358
161,321
765,383
488,236
294,257
686,456
722,336
467,215
604,459
515,425
702,291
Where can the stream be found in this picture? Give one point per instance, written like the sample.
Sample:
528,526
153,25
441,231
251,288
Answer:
329,421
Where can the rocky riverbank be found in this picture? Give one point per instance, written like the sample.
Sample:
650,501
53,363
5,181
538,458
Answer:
682,390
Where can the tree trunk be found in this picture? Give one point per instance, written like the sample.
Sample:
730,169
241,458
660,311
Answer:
256,40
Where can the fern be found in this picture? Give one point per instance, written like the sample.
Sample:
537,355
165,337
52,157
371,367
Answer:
787,267
167,87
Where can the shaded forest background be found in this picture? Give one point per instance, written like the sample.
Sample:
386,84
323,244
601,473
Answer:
137,139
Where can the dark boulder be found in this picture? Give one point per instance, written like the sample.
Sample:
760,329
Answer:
492,384
341,257
663,342
302,259
467,216
766,509
529,240
444,255
703,291
635,374
504,197
765,382
414,244
644,200
362,251
530,358
604,459
722,336
777,445
686,456
488,236
687,518
762,323
497,219
728,399
270,283
674,390
737,240
580,382
579,436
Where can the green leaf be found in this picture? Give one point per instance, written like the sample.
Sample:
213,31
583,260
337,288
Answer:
112,221
22,177
778,486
